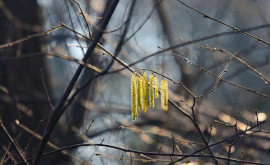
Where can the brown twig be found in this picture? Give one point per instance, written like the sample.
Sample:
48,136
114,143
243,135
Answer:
260,74
84,17
13,142
30,37
72,24
225,70
36,135
191,42
221,79
191,118
58,111
223,23
66,57
162,154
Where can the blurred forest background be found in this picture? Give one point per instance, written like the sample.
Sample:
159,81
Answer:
219,93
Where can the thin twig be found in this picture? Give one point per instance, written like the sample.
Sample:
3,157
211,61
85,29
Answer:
172,142
36,135
104,49
46,89
223,23
147,18
58,111
230,147
8,154
72,24
13,142
74,31
116,29
159,154
30,37
260,74
66,57
170,79
159,134
84,17
222,141
192,42
222,79
196,126
123,36
225,70
129,67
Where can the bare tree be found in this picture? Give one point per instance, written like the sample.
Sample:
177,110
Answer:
72,72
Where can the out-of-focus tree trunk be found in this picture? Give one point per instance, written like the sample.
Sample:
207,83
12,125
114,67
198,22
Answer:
23,79
167,29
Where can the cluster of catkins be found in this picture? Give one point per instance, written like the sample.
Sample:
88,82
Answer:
143,94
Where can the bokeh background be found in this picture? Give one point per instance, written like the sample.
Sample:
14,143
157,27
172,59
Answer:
34,74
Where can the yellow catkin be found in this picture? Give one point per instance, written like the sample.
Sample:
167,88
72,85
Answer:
145,93
151,81
133,97
162,94
156,87
136,96
141,92
138,92
166,95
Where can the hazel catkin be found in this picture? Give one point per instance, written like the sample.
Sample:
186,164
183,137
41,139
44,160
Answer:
145,93
151,82
141,92
156,87
164,94
138,92
134,113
